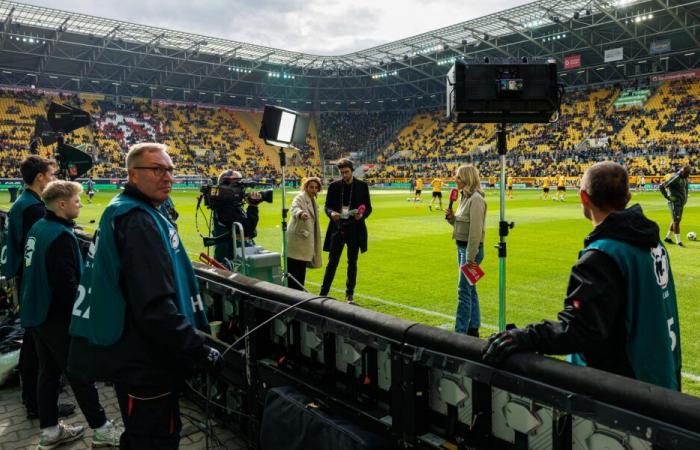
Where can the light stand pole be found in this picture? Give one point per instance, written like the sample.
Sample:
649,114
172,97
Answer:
285,273
503,228
283,127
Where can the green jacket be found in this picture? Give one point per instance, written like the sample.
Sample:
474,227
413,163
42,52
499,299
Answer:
99,311
675,189
653,331
36,291
12,251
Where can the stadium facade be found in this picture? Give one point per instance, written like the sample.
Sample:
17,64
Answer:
594,42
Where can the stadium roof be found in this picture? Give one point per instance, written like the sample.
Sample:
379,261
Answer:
66,50
529,16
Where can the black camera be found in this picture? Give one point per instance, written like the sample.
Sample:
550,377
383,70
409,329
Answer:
234,194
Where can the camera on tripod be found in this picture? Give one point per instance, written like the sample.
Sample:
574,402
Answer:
234,194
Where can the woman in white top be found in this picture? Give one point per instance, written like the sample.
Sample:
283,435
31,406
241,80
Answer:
468,224
304,234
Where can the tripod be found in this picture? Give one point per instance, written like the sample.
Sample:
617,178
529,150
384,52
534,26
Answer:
503,228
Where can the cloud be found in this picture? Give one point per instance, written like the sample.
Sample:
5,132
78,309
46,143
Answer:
330,27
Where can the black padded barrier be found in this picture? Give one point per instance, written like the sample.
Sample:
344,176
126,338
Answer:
423,387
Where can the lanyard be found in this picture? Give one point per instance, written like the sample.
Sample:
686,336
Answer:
342,193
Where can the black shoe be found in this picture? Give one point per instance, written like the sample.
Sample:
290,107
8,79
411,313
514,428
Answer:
350,300
680,244
668,240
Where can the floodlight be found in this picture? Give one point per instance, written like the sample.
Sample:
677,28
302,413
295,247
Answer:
283,127
61,120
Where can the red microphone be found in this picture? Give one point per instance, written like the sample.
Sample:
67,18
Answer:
454,193
211,261
361,209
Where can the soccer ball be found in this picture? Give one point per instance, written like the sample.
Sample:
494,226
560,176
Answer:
692,236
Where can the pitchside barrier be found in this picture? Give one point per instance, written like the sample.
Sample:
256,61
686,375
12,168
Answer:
111,184
326,372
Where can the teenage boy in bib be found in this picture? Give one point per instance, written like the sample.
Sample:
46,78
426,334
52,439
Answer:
52,270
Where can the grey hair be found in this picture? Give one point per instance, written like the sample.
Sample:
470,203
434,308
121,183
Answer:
137,150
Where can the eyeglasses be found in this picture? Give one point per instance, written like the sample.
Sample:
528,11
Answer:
158,171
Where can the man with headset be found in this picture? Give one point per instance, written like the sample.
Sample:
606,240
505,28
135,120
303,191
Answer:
227,215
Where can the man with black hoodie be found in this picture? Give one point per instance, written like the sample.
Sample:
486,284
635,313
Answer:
620,312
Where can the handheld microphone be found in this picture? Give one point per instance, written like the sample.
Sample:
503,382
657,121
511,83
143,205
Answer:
361,209
454,193
211,261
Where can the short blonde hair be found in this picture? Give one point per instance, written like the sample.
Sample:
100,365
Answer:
60,190
135,152
314,180
469,175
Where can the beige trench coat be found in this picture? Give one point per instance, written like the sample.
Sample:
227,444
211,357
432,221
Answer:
304,236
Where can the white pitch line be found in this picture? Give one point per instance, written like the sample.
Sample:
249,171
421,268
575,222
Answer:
403,306
691,376
688,375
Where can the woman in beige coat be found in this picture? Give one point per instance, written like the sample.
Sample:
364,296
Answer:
304,234
468,224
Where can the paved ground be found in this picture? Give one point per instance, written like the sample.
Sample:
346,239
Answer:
17,432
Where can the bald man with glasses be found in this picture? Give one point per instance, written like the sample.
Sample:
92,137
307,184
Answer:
139,305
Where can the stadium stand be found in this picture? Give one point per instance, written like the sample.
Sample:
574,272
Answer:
594,125
202,140
651,140
345,132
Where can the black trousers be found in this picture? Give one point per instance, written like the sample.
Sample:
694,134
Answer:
28,362
297,269
29,371
52,344
338,242
151,417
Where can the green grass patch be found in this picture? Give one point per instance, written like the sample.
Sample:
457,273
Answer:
410,268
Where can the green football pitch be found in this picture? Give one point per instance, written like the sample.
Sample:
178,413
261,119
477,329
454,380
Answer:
410,267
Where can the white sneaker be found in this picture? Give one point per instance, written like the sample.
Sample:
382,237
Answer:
107,435
66,433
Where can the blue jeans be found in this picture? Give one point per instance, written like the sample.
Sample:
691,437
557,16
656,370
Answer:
468,315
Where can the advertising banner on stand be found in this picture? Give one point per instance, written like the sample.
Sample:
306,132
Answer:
613,54
572,61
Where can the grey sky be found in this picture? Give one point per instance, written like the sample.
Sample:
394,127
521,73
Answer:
325,27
